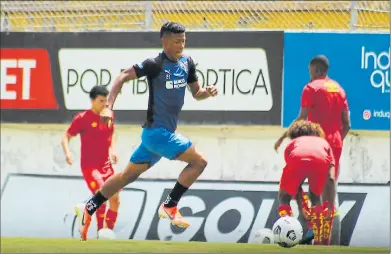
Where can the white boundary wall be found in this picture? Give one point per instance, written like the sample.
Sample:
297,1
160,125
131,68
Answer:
234,153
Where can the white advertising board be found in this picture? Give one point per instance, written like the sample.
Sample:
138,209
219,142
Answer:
242,77
217,211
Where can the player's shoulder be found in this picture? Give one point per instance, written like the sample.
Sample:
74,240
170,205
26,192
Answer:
329,84
324,83
312,85
82,114
340,87
150,66
333,81
150,61
187,58
187,61
316,83
291,144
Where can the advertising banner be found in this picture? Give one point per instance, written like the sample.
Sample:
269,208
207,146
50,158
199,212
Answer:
244,85
26,79
359,62
217,211
247,72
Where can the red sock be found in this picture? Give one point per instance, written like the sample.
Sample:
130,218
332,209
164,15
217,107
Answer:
306,208
328,224
100,216
285,210
317,219
111,218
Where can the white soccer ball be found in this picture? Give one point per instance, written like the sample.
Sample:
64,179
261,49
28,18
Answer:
106,234
287,231
262,236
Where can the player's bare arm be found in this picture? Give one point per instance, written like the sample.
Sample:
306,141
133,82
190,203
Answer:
126,75
65,147
197,91
73,130
345,123
200,93
113,150
330,189
303,114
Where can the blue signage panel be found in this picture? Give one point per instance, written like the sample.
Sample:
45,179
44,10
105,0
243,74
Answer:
359,62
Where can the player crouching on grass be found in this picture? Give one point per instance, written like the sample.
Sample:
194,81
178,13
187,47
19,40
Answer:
324,101
97,147
310,156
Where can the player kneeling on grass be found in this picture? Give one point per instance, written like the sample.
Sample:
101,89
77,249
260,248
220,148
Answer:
310,156
97,146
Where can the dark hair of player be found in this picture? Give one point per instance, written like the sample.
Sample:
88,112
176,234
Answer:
98,91
169,28
305,128
321,64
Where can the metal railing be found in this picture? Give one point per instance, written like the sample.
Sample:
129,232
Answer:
40,16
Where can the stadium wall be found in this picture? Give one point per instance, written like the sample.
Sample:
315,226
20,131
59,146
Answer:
240,153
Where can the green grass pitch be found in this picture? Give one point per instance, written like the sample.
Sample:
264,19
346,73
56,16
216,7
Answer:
34,245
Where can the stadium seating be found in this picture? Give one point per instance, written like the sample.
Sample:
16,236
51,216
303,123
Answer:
208,15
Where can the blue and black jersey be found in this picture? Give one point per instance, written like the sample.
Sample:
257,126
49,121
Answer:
167,81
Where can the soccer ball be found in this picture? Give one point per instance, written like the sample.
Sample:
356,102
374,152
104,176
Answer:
263,236
106,234
287,231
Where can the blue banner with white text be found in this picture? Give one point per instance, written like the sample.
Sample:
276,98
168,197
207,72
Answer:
359,62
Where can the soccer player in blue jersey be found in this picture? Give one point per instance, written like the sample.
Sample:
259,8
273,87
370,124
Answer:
168,74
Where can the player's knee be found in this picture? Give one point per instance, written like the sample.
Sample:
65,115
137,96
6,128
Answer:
128,177
203,163
115,198
200,163
132,172
114,202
